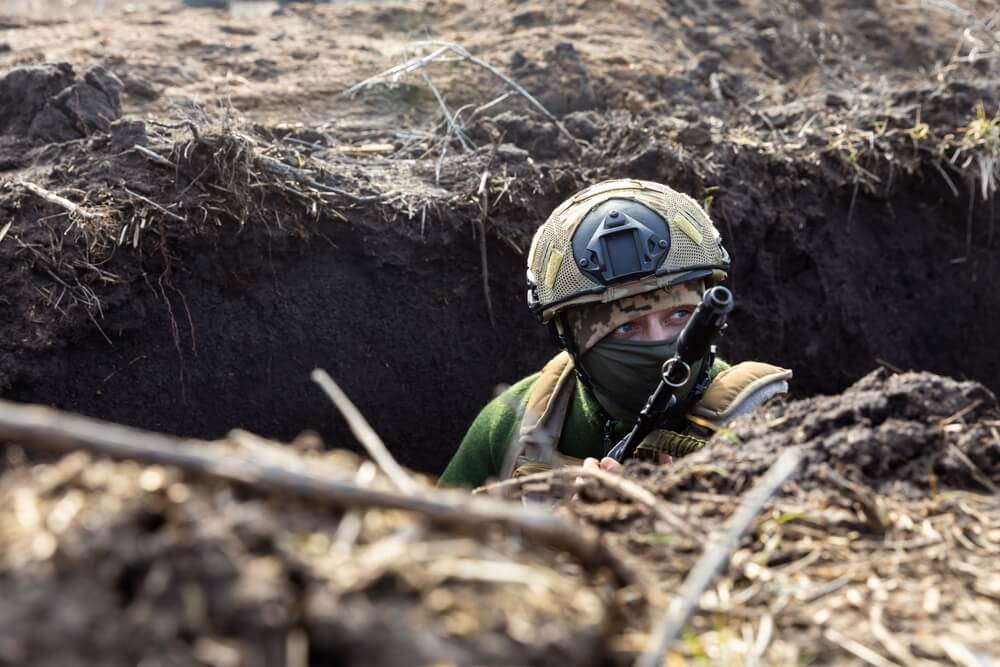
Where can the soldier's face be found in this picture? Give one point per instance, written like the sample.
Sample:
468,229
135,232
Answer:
655,326
652,316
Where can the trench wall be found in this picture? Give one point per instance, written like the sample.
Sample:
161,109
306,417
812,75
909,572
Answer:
825,287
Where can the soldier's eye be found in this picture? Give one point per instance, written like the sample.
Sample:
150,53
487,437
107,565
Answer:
625,329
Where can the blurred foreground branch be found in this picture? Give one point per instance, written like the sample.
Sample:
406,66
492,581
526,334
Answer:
715,556
53,430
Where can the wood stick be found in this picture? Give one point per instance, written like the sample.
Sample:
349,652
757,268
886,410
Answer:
53,198
520,481
462,139
977,474
365,434
302,176
53,430
875,513
624,486
637,493
858,649
154,156
961,413
715,556
399,70
176,126
484,211
152,203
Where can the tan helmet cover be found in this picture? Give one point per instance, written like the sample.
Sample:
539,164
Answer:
556,281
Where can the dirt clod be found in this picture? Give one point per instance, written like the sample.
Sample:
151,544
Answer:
115,564
909,433
560,81
49,103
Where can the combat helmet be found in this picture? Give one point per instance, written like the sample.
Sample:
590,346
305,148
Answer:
617,239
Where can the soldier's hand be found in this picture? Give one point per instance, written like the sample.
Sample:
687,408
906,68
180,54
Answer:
607,464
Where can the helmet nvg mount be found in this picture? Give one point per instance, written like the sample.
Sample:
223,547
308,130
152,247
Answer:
620,238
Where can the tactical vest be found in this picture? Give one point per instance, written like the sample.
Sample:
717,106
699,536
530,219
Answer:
535,446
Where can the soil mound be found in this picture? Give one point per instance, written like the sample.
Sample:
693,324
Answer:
50,104
910,433
106,563
117,564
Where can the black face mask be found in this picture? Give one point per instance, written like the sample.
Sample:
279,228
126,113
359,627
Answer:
625,373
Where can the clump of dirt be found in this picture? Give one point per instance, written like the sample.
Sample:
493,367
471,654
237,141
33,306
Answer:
908,433
108,563
561,81
50,104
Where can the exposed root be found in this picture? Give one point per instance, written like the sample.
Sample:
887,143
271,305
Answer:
53,198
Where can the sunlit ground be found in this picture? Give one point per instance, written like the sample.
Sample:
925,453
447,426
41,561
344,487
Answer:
56,9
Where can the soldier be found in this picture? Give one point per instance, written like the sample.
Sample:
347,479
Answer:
615,272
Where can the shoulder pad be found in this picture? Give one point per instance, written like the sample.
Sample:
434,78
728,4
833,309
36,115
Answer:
553,374
740,389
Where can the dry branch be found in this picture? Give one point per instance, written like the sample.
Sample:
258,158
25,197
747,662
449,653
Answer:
624,486
365,434
452,127
715,556
973,469
53,430
639,494
154,156
184,124
279,168
159,207
858,649
53,198
443,48
395,72
484,212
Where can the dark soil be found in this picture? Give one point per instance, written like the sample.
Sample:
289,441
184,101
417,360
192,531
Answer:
906,434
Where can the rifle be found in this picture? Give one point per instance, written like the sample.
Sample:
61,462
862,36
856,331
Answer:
695,342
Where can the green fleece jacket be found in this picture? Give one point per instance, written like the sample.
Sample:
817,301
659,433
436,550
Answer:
482,452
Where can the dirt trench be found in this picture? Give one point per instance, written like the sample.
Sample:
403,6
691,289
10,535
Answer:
852,248
401,321
407,336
